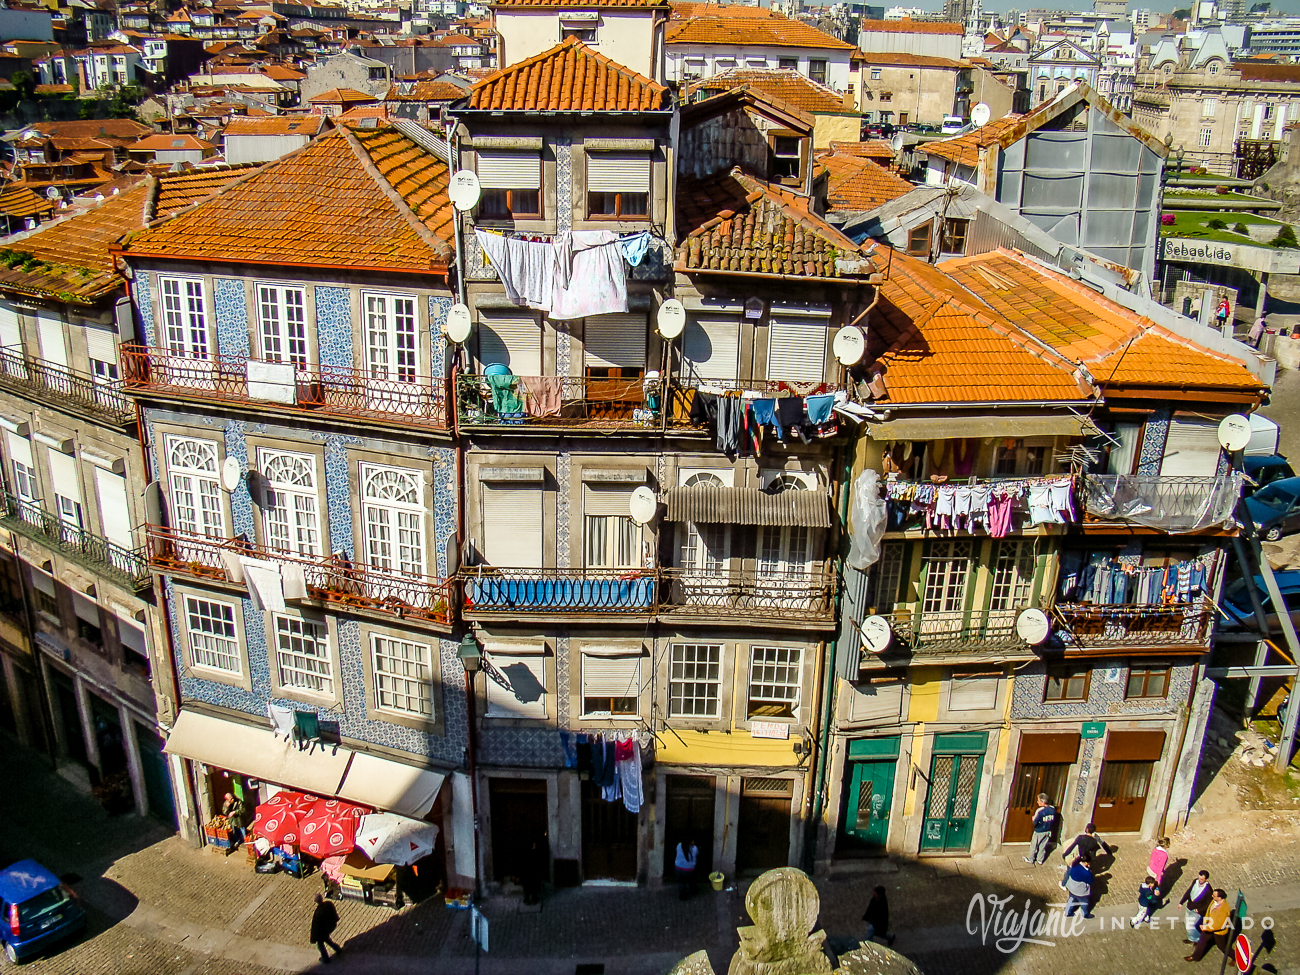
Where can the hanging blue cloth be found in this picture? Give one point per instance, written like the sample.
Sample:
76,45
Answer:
819,407
635,247
765,413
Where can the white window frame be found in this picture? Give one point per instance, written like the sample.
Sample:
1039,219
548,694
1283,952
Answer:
216,646
765,674
684,659
303,661
389,551
634,687
206,509
414,683
290,510
282,324
1204,137
392,336
184,304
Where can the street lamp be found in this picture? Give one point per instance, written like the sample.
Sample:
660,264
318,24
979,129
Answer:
471,658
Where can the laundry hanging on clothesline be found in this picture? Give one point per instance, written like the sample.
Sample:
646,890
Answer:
992,507
1107,580
742,419
575,274
611,761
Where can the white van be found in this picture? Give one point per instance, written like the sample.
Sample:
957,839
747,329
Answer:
952,124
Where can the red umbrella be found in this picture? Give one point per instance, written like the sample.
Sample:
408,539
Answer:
330,827
279,818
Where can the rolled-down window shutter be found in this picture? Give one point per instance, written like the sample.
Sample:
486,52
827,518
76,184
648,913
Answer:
615,341
1191,449
711,348
526,695
976,693
20,449
796,349
611,676
512,525
63,474
130,635
54,349
618,172
510,170
514,342
607,499
114,512
101,345
11,334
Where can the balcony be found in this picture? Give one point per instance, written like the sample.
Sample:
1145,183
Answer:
486,402
58,386
975,633
1169,504
125,567
332,391
794,596
570,592
328,578
1091,626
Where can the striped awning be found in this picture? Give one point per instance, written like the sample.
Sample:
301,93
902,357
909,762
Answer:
707,505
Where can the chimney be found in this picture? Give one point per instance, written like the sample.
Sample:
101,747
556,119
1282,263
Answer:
850,101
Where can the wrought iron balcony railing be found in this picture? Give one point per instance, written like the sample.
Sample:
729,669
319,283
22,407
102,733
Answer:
978,631
602,592
1104,626
333,390
326,577
127,567
1173,504
802,593
563,401
31,376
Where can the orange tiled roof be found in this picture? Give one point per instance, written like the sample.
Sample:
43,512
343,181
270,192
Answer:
114,128
321,205
309,125
912,60
755,228
164,142
176,191
868,149
771,31
788,86
19,201
965,149
579,3
1118,345
277,72
909,26
569,77
689,10
342,96
860,184
427,91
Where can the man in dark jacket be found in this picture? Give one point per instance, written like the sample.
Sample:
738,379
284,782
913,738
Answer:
877,917
1086,845
1195,902
323,922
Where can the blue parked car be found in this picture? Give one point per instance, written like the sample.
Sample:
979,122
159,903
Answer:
35,910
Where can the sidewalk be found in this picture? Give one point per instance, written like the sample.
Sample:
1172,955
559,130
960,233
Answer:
159,906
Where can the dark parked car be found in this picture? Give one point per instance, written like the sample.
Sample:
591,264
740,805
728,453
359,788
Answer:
35,910
1276,508
1236,599
1265,470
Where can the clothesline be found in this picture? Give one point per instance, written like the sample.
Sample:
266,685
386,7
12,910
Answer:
612,760
741,421
1109,580
946,506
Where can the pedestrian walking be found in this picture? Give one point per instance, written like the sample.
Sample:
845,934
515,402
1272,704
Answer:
1159,860
1221,313
1215,927
688,855
1256,332
1078,887
1148,901
1044,823
877,917
1195,902
323,922
1088,845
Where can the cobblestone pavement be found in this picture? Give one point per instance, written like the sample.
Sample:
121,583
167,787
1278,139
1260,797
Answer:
158,906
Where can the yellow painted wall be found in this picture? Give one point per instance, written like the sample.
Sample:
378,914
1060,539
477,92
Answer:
927,683
719,748
835,128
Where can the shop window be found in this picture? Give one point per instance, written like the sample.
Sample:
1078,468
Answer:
1067,684
1147,680
695,680
774,681
402,676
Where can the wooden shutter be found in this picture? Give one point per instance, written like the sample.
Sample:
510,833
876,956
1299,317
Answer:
1192,448
63,475
20,449
1135,746
618,172
512,525
528,675
54,349
1053,747
977,692
514,342
607,499
711,348
100,345
11,334
114,512
611,676
796,348
615,341
510,170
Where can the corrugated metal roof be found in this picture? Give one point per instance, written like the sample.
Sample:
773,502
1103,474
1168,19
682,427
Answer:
748,506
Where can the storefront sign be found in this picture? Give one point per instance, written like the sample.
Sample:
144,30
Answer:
769,729
1093,729
1246,256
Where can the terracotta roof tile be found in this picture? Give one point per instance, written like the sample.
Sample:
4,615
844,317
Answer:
309,125
860,184
909,26
913,60
965,149
19,201
164,142
579,3
427,91
771,31
569,77
365,199
176,191
870,149
742,225
787,86
342,96
114,128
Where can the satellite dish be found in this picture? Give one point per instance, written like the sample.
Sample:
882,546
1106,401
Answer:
642,505
897,143
876,634
1032,626
464,190
849,345
671,319
52,193
1234,432
458,323
980,115
231,474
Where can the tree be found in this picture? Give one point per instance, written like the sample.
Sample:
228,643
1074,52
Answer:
1285,238
1182,13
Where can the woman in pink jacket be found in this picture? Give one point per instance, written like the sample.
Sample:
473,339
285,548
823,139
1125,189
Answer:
1159,860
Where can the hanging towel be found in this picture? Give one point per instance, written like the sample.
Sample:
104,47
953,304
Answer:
819,407
612,792
630,774
622,750
597,761
569,745
504,397
765,413
597,284
731,415
264,584
544,395
609,770
1040,505
526,269
635,247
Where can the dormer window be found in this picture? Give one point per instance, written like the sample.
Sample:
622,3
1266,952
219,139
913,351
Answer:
580,25
787,158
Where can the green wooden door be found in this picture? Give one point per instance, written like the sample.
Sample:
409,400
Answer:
870,791
950,804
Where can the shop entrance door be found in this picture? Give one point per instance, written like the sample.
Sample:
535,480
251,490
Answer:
69,718
954,792
609,837
871,787
689,803
763,826
157,779
1126,780
520,833
1043,766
